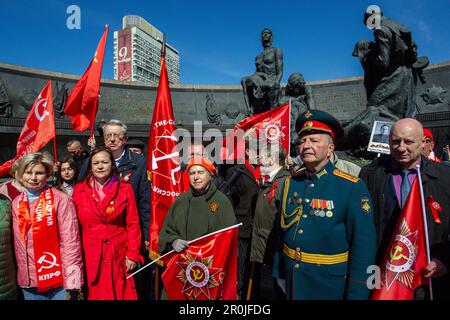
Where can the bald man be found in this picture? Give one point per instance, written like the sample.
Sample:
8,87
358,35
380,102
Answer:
384,178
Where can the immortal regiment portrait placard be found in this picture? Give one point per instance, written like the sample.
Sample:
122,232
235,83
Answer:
379,138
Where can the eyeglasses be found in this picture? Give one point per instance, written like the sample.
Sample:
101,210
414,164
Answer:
110,136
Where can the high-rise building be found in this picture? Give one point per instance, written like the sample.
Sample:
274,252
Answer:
137,52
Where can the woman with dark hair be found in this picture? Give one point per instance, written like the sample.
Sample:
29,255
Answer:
111,235
67,175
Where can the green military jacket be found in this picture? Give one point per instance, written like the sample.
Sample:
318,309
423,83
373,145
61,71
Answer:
191,217
265,213
8,285
327,236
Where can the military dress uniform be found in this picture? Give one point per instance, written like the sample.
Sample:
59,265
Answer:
326,232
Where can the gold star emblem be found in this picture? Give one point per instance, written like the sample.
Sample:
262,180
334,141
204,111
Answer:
198,275
308,114
402,258
213,207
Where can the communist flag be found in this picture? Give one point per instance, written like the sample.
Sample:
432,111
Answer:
206,270
272,126
38,130
405,261
163,159
82,102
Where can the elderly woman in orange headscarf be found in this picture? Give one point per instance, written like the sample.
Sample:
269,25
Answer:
201,210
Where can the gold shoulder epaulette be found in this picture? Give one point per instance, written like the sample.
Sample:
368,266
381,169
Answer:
345,175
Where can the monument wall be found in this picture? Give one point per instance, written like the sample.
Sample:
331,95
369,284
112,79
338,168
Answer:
215,106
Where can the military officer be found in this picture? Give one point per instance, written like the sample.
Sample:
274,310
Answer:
326,231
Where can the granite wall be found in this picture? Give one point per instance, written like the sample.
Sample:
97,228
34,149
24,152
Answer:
133,103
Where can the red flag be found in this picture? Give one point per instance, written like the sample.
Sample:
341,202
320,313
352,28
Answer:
272,126
82,102
207,270
403,267
163,159
38,130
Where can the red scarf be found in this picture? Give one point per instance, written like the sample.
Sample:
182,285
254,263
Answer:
271,192
99,193
255,172
47,259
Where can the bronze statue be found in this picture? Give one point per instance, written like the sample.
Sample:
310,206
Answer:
365,52
391,71
60,98
301,99
262,88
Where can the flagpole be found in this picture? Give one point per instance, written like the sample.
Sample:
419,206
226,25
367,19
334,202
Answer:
55,154
94,114
157,282
94,111
250,282
216,232
202,237
425,225
163,56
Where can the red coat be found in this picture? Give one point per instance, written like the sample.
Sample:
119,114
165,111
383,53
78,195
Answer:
107,239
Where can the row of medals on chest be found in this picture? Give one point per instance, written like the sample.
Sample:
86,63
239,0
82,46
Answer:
319,208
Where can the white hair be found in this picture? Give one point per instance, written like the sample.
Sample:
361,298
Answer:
114,122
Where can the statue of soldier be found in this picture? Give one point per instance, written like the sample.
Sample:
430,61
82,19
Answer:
392,70
262,88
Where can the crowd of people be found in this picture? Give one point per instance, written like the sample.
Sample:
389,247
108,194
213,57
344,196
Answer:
311,225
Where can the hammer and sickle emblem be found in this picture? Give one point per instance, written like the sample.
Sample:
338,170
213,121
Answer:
95,57
38,115
397,255
48,263
198,274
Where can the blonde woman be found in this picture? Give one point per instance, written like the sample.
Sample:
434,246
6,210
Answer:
46,235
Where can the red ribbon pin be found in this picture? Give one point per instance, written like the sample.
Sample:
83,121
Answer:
435,208
271,192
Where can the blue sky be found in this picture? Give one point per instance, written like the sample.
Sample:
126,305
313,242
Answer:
217,40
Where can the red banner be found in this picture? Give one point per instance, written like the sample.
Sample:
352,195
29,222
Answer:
272,126
163,160
207,270
124,55
38,130
82,102
405,261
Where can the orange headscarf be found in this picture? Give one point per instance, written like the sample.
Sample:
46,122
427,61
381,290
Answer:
204,162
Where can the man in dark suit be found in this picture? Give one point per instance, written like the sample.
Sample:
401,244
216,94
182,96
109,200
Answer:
389,179
272,158
243,195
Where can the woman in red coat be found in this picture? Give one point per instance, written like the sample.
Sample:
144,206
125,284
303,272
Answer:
111,235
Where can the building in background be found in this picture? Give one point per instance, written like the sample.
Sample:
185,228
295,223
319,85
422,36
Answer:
137,52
